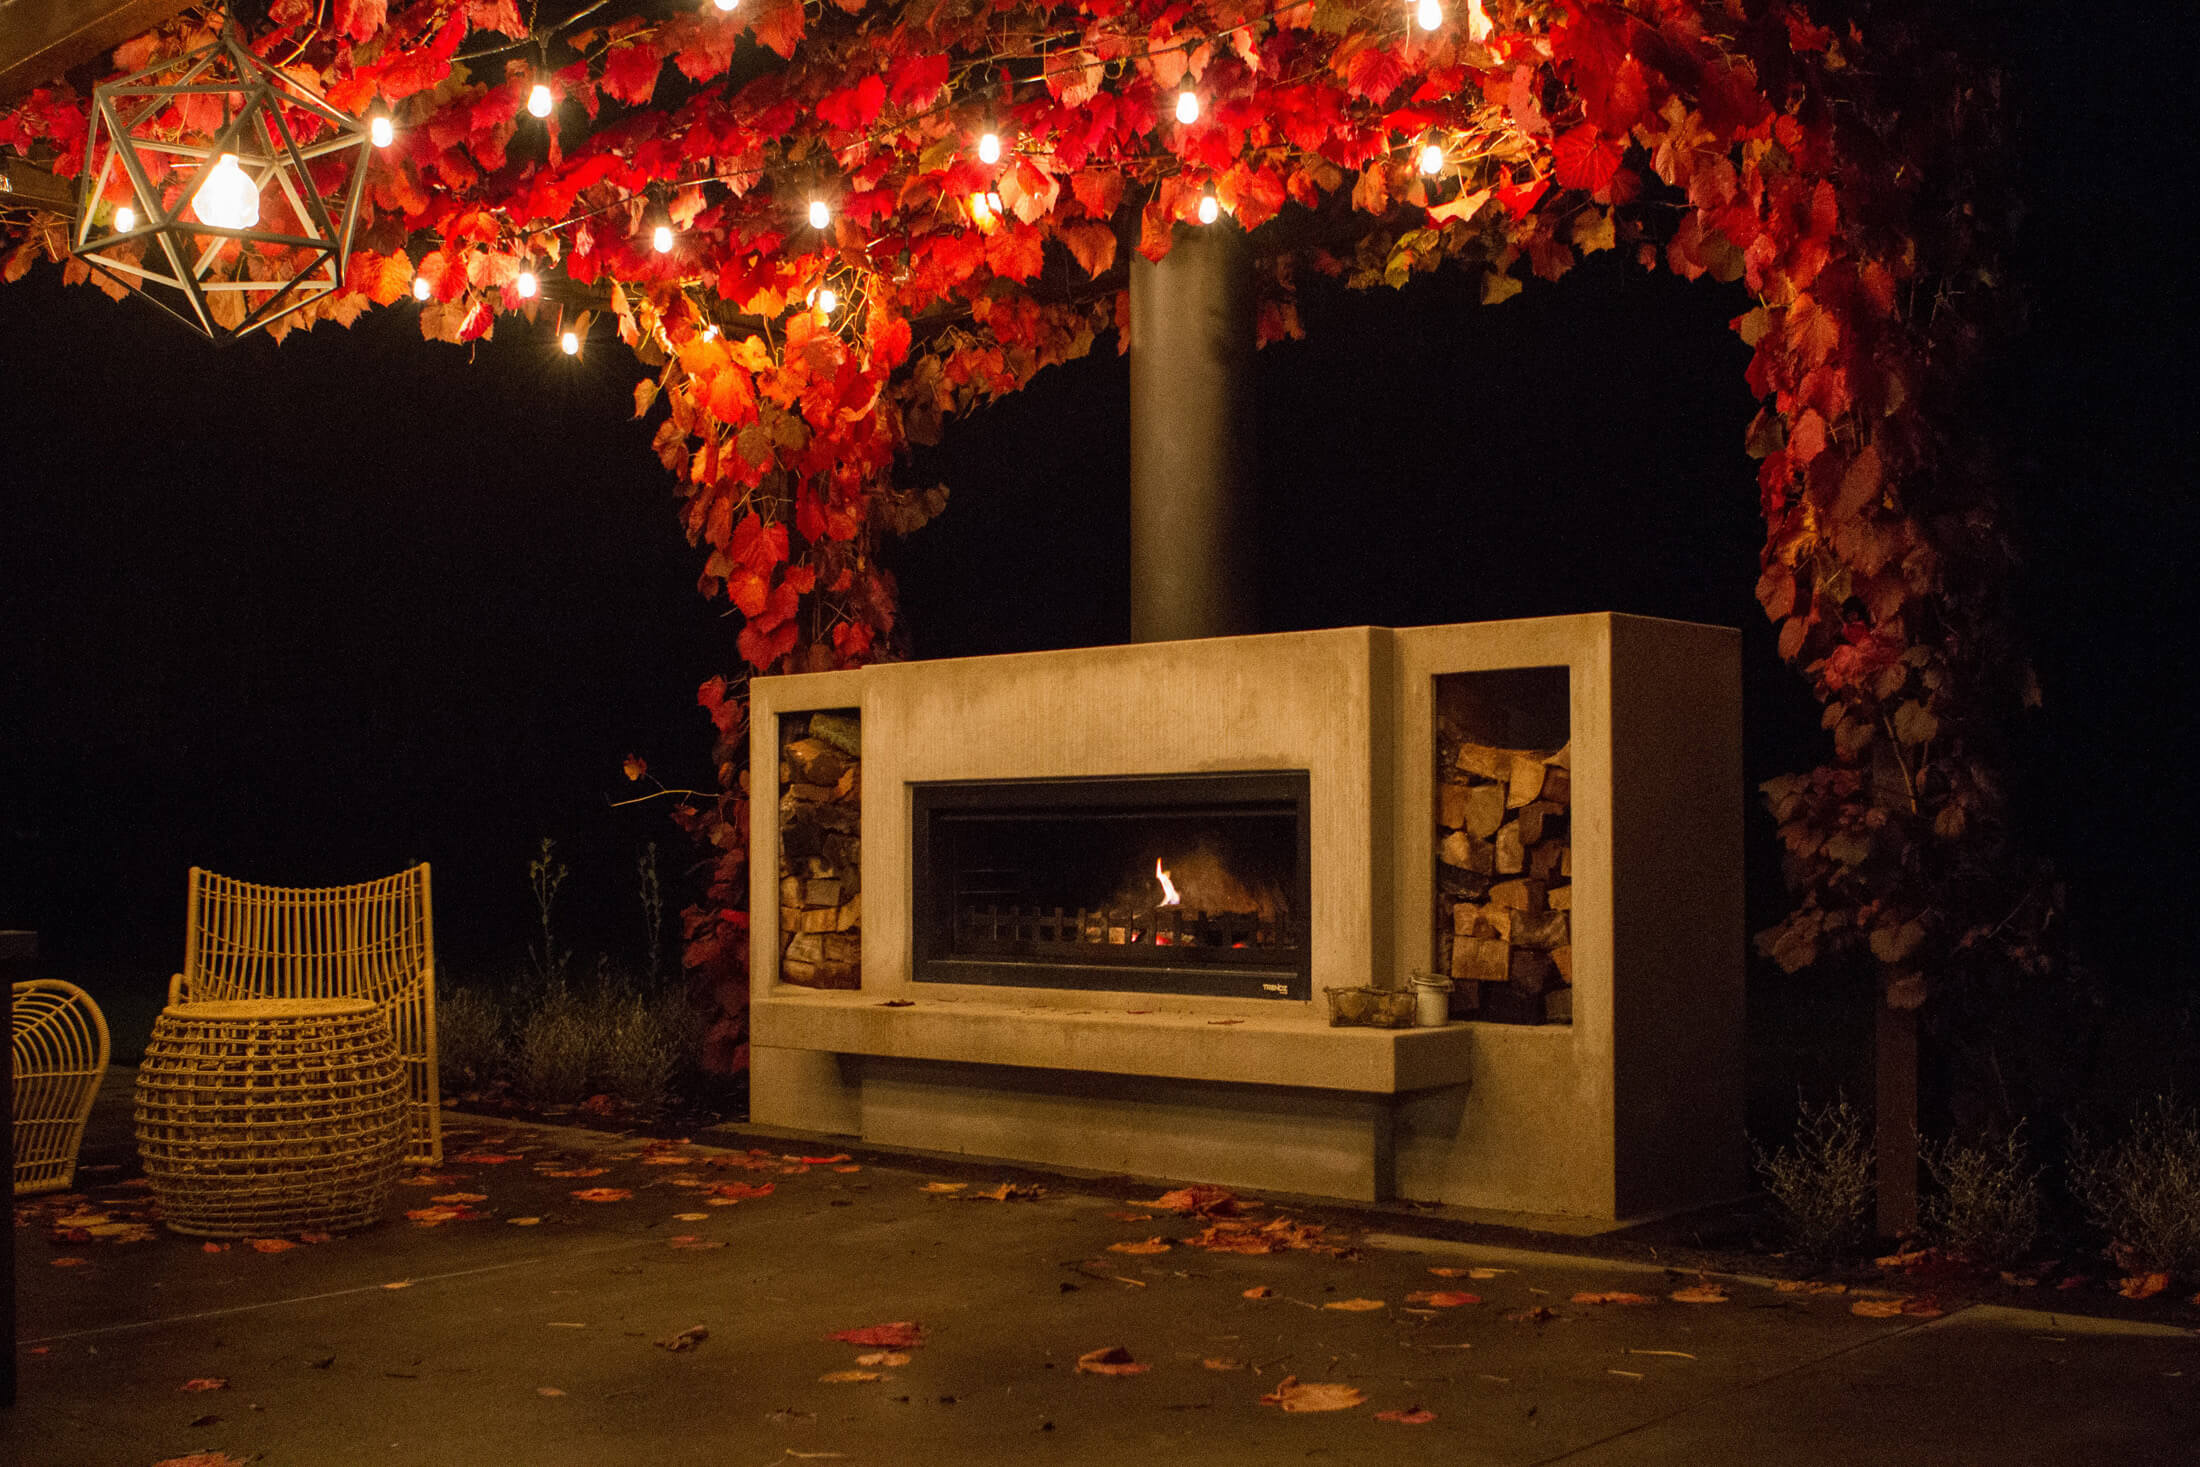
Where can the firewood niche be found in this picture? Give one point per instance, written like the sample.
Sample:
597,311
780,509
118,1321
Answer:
1504,857
821,849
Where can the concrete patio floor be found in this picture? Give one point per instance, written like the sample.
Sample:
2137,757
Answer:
475,1340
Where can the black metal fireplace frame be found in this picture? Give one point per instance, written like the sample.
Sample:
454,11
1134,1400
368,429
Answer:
1283,972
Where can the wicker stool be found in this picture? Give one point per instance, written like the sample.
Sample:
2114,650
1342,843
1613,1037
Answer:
262,1116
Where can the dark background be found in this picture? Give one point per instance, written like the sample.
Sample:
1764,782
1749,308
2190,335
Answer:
302,614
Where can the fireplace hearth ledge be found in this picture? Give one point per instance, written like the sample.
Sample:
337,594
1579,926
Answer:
1292,1049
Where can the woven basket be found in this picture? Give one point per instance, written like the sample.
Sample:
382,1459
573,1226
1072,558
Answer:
263,1116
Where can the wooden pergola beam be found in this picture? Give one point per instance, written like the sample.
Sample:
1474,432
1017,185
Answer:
42,39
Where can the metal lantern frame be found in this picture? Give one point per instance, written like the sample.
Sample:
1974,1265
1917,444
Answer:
188,257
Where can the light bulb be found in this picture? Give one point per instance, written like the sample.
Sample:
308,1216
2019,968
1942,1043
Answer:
660,239
828,300
1430,13
727,6
421,289
710,332
993,201
989,148
525,285
539,101
125,218
821,213
227,198
570,343
980,210
380,132
1210,208
1187,103
1432,159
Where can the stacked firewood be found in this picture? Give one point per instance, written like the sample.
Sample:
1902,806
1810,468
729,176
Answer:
1504,882
821,850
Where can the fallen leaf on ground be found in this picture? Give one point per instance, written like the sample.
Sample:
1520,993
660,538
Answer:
1442,1299
548,1391
1010,1192
1411,1416
1877,1308
1208,1201
943,1186
213,1247
398,1284
422,1217
1112,1360
690,1216
68,1263
484,1158
1808,1286
844,1170
887,1358
567,1173
523,1222
1468,1273
316,1237
1540,1314
1355,1306
460,1199
1292,1396
271,1245
902,1334
1706,1293
205,1383
1260,1291
201,1459
1222,1362
689,1243
1612,1296
2143,1285
832,1160
738,1191
603,1194
1904,1259
847,1377
122,1232
685,1340
1151,1245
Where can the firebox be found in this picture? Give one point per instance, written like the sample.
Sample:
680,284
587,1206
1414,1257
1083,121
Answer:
1179,883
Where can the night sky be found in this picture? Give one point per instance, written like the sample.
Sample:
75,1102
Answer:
303,613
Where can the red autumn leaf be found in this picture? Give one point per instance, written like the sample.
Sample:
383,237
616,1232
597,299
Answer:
916,80
1442,1298
1373,73
1112,1360
742,1190
1093,245
1585,158
1292,1396
630,72
1150,1245
602,1194
903,1334
1412,1416
360,19
853,108
779,27
1016,254
1100,190
1519,199
1612,1296
205,1383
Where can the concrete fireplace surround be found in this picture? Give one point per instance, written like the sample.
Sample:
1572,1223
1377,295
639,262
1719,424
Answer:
1632,1110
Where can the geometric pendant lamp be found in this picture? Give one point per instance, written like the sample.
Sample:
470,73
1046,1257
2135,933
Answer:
219,188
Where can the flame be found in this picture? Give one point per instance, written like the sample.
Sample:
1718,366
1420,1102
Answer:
1169,898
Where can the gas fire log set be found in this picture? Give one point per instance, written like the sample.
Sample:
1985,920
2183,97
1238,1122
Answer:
1504,881
821,849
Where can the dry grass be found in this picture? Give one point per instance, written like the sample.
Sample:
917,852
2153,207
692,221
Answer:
1988,1205
2143,1190
1821,1182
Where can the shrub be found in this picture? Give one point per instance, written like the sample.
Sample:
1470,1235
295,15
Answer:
2143,1190
1821,1183
1988,1207
557,1049
469,1037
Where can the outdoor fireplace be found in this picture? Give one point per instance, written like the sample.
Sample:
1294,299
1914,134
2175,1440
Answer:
1179,884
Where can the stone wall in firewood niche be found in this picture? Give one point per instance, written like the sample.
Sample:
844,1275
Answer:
1504,857
821,849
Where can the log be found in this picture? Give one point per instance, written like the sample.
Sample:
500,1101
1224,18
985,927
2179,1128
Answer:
1558,1006
1470,919
790,891
1525,783
1560,898
843,947
1510,852
1540,818
803,793
1544,930
1563,759
823,892
850,916
1481,959
850,784
1558,785
1545,859
1451,803
1465,852
1562,958
1485,810
1520,894
843,731
1529,971
1488,762
815,761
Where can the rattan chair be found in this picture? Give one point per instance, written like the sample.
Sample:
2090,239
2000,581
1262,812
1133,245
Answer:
375,941
58,1042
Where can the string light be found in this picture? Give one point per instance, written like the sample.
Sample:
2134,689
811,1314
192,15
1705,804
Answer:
380,132
227,198
1432,159
570,343
125,218
1430,13
525,285
539,100
981,210
989,148
710,332
826,299
1210,207
821,214
421,289
660,239
1187,103
727,7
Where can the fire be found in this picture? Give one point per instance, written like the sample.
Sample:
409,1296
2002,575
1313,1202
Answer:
1169,898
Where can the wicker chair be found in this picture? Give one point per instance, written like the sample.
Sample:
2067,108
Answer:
58,1042
374,940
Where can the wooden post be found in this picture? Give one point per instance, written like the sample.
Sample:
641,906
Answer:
1896,1119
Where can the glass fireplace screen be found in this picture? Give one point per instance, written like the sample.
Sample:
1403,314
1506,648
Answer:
1186,883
